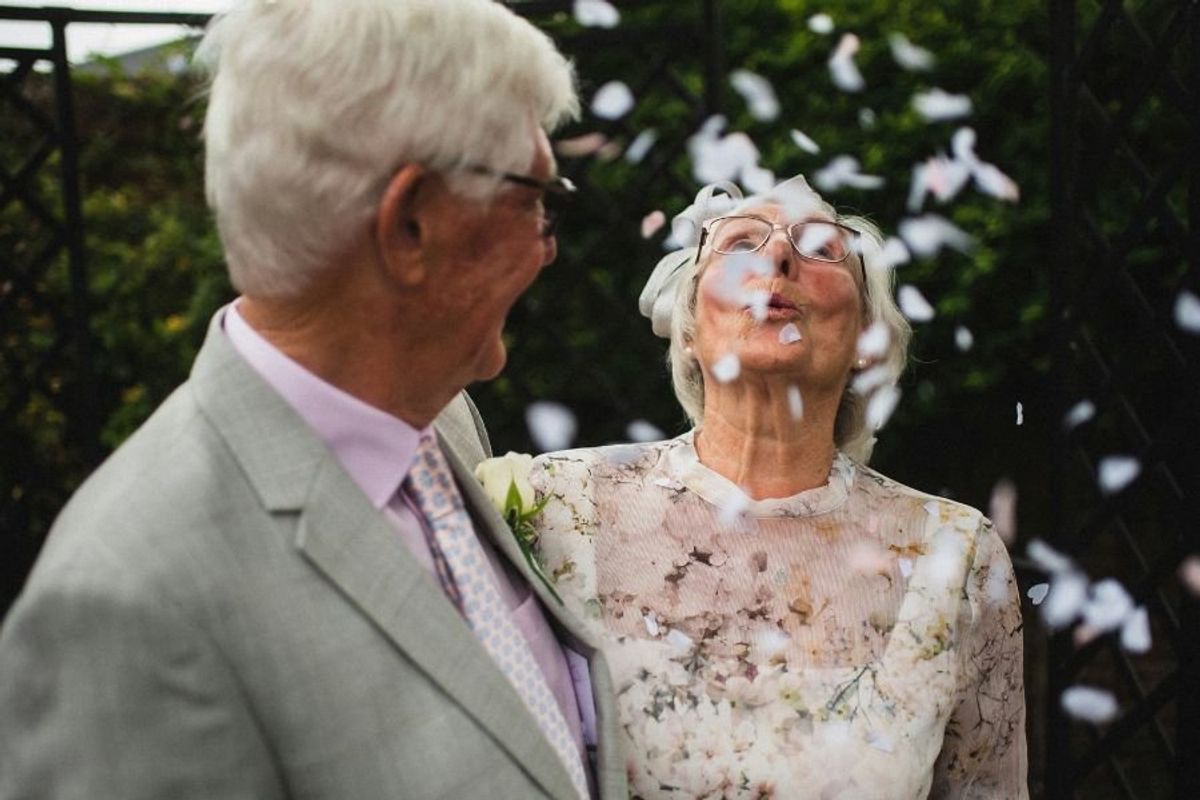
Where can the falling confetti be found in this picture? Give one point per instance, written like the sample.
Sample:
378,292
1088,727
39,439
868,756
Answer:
991,181
613,100
727,368
873,342
733,510
893,254
652,222
579,146
1080,413
1068,594
867,118
1037,593
908,55
1046,557
881,405
1002,508
757,180
842,68
1135,632
772,642
552,426
795,402
640,146
942,177
758,94
1107,606
805,143
1189,574
789,334
867,558
596,14
964,340
1116,472
905,566
642,431
1089,704
679,640
869,380
821,23
926,235
759,303
913,304
937,105
844,171
880,741
1187,311
721,158
651,620
1020,414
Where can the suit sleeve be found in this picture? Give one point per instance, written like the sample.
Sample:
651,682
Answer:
108,691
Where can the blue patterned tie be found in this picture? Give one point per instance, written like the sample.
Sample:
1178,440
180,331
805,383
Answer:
431,485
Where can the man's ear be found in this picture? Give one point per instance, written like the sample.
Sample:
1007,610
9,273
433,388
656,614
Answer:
399,234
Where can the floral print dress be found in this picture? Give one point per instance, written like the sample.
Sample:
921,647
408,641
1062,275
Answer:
858,640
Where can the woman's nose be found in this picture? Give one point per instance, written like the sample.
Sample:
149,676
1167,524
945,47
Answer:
781,253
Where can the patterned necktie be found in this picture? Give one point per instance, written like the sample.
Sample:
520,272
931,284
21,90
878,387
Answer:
431,485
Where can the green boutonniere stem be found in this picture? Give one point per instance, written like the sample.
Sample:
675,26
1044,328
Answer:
520,521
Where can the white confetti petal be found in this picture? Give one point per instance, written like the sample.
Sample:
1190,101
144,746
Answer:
842,68
871,379
795,402
756,179
759,304
804,142
881,405
1107,606
758,94
962,144
1037,593
873,342
844,171
717,159
964,340
1089,704
552,426
867,118
908,55
640,146
1046,557
926,235
652,222
1116,472
642,431
1187,311
727,368
893,253
651,621
880,741
1020,413
1080,413
612,100
940,176
1189,574
732,510
991,181
679,640
579,146
1002,508
772,642
867,558
789,334
1135,632
1068,594
913,304
596,14
937,105
905,565
821,23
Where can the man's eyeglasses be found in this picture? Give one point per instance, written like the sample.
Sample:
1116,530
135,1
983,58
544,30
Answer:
814,239
556,194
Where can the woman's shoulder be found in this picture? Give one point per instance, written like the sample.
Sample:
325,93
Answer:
943,510
578,470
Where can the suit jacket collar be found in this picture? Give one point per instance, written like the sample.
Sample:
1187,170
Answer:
350,542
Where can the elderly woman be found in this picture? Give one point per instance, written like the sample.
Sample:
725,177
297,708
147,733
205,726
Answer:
782,620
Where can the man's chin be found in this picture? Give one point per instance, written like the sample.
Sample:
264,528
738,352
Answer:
490,361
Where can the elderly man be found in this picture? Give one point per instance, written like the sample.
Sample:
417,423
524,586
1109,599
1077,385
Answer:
287,583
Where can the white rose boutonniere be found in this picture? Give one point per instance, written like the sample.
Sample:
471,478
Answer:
506,482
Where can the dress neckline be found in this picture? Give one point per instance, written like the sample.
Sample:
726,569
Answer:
683,464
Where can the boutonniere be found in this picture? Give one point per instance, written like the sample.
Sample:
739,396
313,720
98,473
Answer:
506,482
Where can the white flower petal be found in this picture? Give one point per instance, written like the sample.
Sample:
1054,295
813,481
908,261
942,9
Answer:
1107,606
1002,508
873,342
905,566
937,105
579,146
913,304
908,55
1187,311
964,340
727,368
867,118
612,100
651,623
1068,594
652,222
642,431
795,402
1089,704
759,302
869,380
678,639
596,14
843,171
1037,593
1116,472
756,179
991,181
804,142
1020,413
552,426
789,334
962,144
926,235
758,94
1046,557
1189,574
893,253
1080,413
821,23
1135,632
640,146
732,509
842,68
881,405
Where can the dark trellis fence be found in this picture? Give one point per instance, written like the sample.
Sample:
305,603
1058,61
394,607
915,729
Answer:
1126,207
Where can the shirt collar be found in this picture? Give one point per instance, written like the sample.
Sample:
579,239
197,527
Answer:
375,448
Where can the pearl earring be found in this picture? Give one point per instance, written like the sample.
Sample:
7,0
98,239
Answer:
860,363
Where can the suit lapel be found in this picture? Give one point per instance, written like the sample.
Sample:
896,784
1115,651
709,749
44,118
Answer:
358,550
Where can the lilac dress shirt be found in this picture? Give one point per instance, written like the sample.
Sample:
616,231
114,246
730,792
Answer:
377,450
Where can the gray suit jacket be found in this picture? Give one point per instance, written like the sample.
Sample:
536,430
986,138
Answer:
219,612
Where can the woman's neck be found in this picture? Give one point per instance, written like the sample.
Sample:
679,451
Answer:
751,436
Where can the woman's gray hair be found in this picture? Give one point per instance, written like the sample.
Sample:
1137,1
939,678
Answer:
669,299
314,104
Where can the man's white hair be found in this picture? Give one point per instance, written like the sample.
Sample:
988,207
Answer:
314,104
670,301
